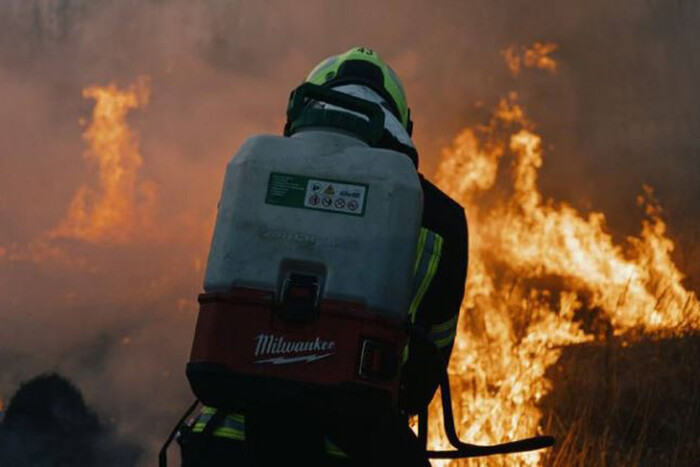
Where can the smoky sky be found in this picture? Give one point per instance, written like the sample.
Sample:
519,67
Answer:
118,319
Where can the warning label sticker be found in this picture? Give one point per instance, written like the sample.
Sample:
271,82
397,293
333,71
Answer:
299,191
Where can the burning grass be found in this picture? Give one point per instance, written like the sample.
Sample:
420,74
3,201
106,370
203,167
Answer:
121,204
563,330
550,295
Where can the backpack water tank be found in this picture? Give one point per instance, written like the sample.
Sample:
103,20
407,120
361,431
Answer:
322,204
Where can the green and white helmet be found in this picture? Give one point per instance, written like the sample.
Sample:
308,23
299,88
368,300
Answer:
361,65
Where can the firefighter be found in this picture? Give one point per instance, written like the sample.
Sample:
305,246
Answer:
294,435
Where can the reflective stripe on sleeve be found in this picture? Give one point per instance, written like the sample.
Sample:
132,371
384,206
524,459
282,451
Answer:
443,334
428,259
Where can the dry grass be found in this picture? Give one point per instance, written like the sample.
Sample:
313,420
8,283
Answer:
616,403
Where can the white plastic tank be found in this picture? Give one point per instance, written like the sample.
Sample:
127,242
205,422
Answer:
321,203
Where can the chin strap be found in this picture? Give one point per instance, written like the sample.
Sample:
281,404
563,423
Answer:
465,450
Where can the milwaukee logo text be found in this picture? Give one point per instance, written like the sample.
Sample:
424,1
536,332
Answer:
280,351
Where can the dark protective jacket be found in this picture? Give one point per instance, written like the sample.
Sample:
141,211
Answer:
438,310
290,436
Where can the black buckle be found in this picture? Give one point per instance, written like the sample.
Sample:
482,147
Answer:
300,296
377,360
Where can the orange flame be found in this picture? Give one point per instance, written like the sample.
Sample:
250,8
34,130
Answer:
113,211
536,56
535,266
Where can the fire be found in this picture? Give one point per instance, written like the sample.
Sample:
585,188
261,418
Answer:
537,267
536,56
121,203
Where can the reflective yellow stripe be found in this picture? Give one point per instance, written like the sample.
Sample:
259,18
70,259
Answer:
449,324
428,277
426,241
231,421
229,433
199,427
333,450
443,334
236,417
419,249
202,419
447,340
423,272
233,427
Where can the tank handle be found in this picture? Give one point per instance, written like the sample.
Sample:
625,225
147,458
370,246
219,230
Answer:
299,116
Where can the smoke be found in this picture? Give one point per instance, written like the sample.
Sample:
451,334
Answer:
118,319
47,423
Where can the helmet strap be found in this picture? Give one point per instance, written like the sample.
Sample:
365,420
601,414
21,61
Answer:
389,141
302,114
